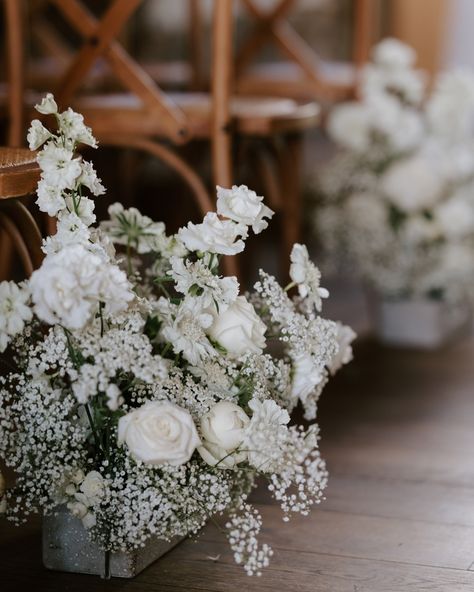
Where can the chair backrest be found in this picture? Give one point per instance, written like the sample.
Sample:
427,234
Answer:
13,11
221,84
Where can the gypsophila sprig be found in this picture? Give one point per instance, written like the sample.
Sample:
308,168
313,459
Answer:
145,396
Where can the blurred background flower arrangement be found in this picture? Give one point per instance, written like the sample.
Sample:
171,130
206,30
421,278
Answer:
397,201
145,394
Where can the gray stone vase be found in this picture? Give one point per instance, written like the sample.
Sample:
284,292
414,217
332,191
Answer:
67,547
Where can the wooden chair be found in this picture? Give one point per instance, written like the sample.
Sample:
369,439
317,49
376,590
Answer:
304,74
147,119
19,175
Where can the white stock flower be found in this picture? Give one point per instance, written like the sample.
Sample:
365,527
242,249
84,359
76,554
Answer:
59,167
393,53
345,336
37,134
184,327
69,285
306,376
238,329
307,276
413,183
244,206
159,433
222,432
196,277
131,227
14,311
47,106
214,235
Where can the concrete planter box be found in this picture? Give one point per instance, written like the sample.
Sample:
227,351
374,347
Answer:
420,323
67,547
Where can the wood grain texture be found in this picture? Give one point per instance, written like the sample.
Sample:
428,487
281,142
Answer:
399,514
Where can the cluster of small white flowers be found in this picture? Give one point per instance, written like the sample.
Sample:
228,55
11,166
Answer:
306,337
399,200
244,527
302,478
42,439
147,395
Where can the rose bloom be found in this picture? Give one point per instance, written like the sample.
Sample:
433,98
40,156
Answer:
239,329
243,205
159,433
222,431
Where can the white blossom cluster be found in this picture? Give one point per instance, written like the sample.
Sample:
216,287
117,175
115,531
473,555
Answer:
398,200
146,393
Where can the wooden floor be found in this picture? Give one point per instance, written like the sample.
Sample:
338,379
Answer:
398,436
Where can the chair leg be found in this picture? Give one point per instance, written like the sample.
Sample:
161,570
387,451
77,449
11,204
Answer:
6,254
290,167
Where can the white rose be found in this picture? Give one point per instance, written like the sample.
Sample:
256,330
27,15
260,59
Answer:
222,430
214,235
243,205
159,432
93,486
239,329
306,377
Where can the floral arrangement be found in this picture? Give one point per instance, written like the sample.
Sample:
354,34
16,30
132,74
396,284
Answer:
398,199
145,393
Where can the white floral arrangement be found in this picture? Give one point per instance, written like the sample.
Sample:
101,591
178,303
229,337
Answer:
143,392
398,199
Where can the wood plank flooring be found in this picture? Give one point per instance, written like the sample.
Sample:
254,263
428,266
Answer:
398,436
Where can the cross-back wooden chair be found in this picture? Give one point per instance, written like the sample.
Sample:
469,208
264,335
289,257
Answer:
304,73
143,116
